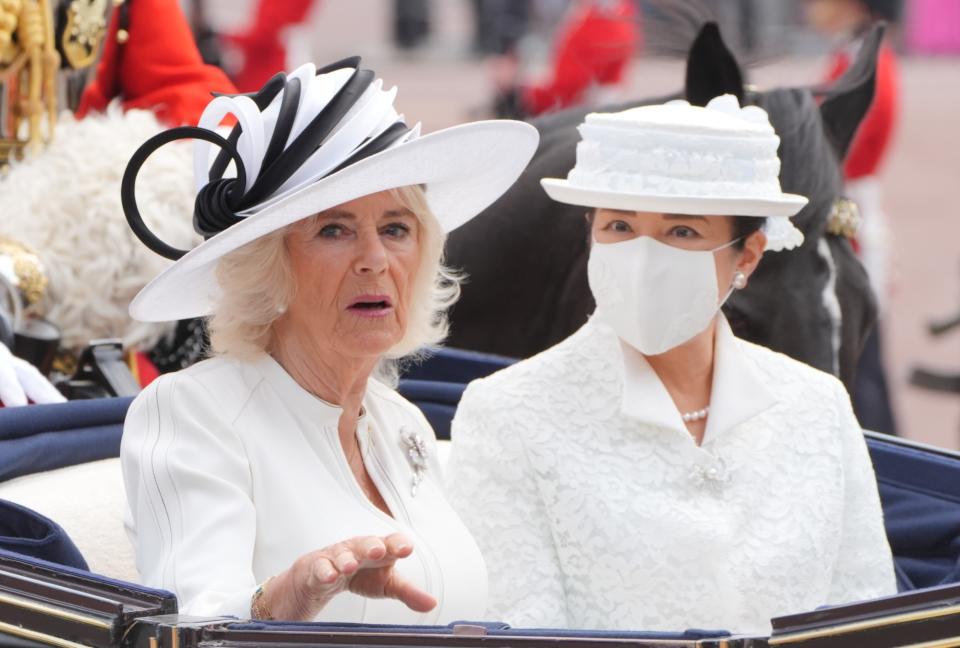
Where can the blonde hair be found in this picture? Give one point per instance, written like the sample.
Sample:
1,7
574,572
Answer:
257,284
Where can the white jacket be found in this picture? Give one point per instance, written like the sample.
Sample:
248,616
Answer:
595,508
233,471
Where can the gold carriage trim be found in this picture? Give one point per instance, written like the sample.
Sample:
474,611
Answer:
40,637
54,611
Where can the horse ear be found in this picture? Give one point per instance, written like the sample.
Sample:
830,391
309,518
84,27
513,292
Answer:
846,102
711,68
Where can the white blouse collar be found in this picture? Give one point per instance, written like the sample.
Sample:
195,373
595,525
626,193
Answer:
738,393
296,398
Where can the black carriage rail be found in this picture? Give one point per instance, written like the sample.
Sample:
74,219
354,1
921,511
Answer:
279,635
928,617
46,604
42,604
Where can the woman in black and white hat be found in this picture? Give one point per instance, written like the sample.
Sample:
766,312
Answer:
282,478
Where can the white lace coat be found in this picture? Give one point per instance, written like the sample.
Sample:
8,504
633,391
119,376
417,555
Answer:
595,508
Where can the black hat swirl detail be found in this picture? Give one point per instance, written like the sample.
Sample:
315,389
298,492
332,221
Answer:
342,116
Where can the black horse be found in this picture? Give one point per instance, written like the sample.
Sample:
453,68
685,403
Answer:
526,257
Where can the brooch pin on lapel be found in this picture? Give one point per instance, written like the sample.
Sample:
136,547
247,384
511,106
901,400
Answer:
714,477
417,456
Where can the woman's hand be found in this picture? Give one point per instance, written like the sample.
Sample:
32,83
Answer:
362,565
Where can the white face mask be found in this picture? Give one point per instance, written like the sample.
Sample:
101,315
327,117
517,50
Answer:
655,296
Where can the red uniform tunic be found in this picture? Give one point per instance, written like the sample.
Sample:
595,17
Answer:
593,48
873,137
159,68
262,44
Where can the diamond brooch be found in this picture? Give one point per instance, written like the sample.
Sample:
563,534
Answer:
417,456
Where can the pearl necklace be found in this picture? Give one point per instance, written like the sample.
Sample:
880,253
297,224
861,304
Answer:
698,415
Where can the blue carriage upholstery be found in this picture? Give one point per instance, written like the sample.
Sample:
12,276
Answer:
436,383
920,491
44,437
26,532
455,365
437,400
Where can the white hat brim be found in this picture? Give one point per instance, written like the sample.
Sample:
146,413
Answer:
465,168
784,205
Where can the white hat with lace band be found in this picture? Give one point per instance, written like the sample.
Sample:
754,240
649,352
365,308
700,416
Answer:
308,141
681,159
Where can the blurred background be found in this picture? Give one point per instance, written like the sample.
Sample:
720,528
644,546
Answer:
456,60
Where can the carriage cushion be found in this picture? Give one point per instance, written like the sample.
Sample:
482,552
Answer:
26,532
44,437
88,500
920,492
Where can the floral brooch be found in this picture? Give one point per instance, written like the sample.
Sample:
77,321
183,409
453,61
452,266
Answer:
416,449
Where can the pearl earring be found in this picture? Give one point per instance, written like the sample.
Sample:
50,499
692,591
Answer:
281,310
739,280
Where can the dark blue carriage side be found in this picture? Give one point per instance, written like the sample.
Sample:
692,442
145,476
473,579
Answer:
920,490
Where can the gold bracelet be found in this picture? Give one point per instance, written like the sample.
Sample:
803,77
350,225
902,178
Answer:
257,609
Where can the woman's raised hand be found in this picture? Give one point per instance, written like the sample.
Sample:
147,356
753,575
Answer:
363,565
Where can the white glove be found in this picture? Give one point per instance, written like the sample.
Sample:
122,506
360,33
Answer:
20,380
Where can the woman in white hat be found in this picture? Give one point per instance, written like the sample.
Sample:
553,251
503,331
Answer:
283,478
652,471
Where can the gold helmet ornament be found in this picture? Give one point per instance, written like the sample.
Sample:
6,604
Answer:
48,52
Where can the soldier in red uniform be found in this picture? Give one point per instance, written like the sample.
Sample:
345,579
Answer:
593,50
591,56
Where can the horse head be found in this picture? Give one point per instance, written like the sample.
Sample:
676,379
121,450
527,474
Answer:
813,303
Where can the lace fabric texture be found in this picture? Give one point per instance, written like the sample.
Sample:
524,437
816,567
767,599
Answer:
588,518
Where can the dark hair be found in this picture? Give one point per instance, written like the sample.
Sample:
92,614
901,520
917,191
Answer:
744,226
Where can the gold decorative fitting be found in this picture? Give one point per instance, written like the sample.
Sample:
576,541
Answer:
86,27
844,218
28,76
65,363
27,269
9,17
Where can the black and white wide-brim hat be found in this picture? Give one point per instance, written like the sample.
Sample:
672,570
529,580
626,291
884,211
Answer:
308,141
